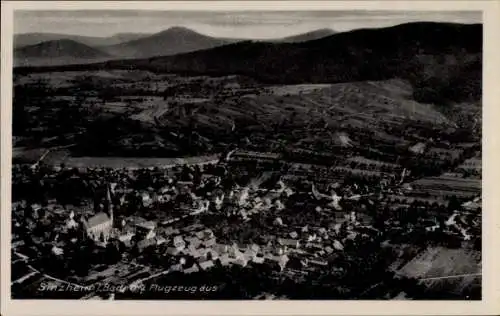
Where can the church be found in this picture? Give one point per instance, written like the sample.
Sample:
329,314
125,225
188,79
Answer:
100,226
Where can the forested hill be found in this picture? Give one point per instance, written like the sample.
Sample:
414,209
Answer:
443,61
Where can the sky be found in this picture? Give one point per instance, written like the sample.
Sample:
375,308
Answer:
235,24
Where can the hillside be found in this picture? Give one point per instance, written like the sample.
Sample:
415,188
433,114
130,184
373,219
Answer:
308,36
59,48
27,39
172,41
143,113
123,38
443,61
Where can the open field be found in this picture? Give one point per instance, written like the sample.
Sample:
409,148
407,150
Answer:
135,163
442,262
58,157
443,269
445,185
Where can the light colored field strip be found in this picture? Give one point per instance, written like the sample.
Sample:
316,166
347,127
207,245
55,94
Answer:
452,276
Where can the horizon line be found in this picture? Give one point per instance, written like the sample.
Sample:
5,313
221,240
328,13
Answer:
249,38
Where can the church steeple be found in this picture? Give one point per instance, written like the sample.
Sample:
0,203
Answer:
109,201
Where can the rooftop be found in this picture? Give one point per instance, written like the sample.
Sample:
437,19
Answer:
150,225
97,219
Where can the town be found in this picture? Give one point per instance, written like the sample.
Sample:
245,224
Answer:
361,223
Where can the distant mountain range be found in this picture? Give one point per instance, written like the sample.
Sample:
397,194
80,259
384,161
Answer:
60,48
175,40
443,61
27,39
309,36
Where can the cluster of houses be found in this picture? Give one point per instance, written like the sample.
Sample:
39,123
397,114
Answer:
196,248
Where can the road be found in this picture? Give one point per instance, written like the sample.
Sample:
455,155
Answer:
42,157
451,276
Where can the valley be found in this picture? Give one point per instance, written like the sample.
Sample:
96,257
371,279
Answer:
139,113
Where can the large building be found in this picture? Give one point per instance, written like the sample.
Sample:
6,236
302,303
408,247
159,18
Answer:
99,227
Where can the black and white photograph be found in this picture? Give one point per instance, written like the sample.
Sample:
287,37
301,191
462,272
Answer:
246,155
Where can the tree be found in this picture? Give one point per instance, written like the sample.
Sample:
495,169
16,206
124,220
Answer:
454,203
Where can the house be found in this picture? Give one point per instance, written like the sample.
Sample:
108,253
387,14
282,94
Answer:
160,240
254,247
192,227
195,253
128,243
209,243
225,260
208,233
179,243
126,237
474,163
272,263
146,226
146,199
204,252
219,201
294,243
176,267
145,243
163,198
220,248
71,223
212,254
184,184
279,261
205,265
473,205
193,269
134,220
418,148
318,262
352,235
173,251
18,243
234,252
172,231
200,235
146,229
193,241
258,260
338,245
288,192
57,251
316,245
249,254
241,261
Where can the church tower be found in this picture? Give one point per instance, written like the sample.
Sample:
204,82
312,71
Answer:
109,203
